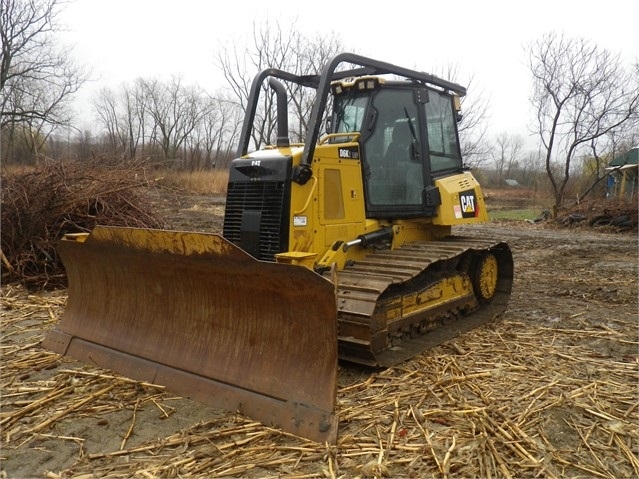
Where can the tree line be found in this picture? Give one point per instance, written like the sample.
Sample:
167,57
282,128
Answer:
169,120
585,99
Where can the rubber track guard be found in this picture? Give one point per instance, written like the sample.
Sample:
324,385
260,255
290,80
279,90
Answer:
194,313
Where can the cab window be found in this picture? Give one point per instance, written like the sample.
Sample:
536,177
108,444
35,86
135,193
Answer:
442,134
349,113
392,151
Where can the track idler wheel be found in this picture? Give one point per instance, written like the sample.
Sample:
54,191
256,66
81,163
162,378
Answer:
485,274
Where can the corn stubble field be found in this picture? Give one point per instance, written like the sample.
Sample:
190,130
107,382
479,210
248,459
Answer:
549,389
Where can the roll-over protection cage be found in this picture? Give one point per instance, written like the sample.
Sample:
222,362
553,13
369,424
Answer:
322,83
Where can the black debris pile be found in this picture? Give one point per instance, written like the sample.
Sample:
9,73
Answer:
614,215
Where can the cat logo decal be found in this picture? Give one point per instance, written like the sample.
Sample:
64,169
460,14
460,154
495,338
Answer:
468,204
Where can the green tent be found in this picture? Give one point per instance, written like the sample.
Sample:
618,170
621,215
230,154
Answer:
630,157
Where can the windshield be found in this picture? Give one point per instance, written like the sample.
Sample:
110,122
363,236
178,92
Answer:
349,112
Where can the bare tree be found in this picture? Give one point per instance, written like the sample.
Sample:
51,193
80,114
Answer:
475,148
311,55
287,50
133,118
219,130
106,107
175,111
37,78
580,93
506,154
174,119
531,169
122,114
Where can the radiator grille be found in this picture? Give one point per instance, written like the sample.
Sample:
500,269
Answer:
267,197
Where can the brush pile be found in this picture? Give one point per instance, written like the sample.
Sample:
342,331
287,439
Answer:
614,215
56,198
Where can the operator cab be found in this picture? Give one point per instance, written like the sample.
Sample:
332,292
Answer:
408,139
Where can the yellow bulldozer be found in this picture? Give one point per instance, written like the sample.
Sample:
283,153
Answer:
338,248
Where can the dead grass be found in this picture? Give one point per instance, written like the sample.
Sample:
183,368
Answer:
205,182
16,169
511,193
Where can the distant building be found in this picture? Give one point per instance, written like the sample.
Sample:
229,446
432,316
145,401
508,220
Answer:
622,175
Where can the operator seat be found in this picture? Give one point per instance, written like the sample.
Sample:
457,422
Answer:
399,147
404,173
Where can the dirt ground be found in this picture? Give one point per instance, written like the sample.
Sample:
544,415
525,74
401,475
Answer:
549,389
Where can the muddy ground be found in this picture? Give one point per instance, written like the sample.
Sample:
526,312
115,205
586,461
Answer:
549,389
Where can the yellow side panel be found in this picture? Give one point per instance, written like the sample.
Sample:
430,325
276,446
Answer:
462,201
341,201
330,207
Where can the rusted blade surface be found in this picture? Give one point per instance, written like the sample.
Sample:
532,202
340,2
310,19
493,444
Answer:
195,313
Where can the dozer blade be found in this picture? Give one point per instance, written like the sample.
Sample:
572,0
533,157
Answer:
194,313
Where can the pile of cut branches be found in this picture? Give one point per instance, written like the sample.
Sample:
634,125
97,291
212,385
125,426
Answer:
41,206
609,215
618,214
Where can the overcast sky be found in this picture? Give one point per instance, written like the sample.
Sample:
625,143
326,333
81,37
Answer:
122,40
